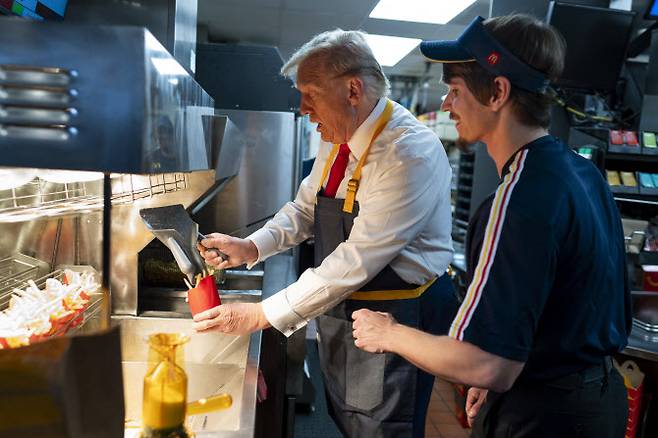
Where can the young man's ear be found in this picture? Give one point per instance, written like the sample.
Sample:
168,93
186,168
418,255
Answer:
502,90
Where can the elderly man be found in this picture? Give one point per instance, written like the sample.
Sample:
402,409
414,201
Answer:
377,205
548,303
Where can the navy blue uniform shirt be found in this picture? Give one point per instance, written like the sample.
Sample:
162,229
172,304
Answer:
547,266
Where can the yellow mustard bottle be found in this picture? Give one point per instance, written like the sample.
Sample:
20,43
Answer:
165,388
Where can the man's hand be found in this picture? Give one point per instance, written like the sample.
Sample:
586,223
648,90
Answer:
474,400
371,330
235,319
238,251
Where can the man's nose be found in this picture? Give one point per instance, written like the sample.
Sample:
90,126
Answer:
304,108
446,103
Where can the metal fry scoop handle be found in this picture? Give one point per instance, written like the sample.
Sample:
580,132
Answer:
217,252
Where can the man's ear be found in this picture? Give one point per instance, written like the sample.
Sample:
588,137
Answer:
501,95
356,90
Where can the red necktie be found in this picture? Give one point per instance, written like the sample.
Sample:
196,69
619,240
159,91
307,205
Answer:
337,172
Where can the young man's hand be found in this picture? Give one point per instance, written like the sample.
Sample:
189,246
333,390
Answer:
371,330
474,401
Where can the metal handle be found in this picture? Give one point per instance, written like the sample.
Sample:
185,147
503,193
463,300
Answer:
217,252
37,133
35,116
35,97
36,76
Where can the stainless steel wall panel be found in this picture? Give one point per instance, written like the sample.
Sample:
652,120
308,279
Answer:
265,181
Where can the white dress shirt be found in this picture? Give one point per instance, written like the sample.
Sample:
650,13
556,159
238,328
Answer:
404,220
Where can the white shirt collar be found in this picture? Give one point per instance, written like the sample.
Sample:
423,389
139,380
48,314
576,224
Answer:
361,137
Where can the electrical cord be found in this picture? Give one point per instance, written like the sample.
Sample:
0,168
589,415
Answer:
554,94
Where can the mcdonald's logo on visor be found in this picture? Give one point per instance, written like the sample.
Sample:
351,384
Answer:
493,58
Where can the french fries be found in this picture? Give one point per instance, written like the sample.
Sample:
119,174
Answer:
35,314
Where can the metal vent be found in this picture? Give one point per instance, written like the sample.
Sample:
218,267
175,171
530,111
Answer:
37,102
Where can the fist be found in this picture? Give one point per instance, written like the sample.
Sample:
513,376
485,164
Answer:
371,329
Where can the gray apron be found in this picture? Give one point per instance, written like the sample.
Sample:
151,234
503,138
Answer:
375,395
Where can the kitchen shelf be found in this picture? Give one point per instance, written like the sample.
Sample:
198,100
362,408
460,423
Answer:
642,158
637,198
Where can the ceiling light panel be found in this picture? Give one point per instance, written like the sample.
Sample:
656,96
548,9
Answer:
389,50
420,11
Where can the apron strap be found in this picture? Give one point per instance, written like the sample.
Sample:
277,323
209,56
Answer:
327,166
353,183
384,295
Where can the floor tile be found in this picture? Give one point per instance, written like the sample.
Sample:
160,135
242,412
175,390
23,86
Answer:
444,418
442,384
449,431
441,419
440,406
431,431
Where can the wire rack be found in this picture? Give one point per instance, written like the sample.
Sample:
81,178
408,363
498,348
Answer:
127,189
15,272
83,322
39,198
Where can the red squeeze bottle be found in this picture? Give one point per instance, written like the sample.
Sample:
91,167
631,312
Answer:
204,296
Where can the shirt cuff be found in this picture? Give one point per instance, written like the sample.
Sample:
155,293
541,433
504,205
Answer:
278,312
265,244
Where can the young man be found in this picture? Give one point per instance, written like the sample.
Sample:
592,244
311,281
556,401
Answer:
548,301
377,203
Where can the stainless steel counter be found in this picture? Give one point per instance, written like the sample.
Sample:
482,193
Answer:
214,362
247,417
